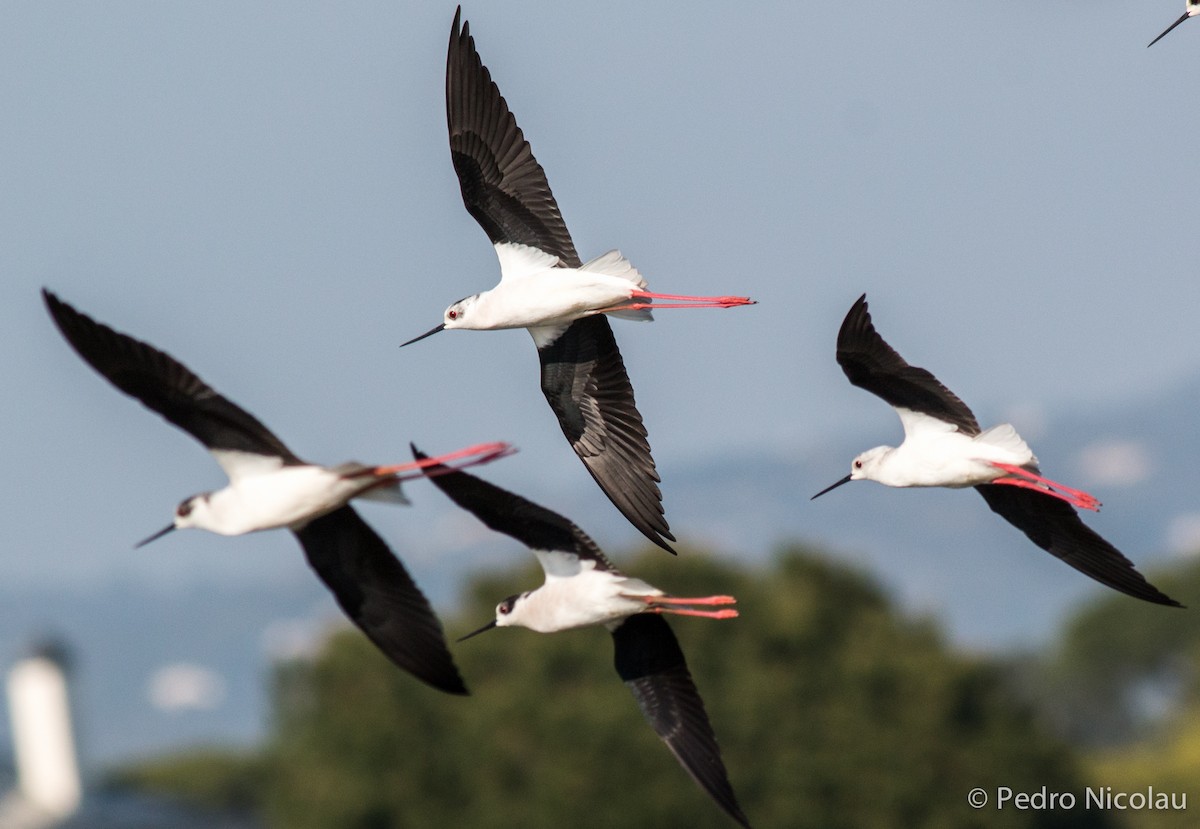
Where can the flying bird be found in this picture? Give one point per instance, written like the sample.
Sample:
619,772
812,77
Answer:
270,487
582,589
944,446
545,288
1193,9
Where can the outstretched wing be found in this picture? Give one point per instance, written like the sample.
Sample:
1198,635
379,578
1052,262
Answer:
584,381
503,186
166,386
379,596
505,512
650,662
872,364
1056,527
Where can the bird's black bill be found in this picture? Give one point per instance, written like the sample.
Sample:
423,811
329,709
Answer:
845,480
483,629
428,333
154,537
1169,28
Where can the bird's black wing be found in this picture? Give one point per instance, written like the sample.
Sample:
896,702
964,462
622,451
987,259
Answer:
534,526
166,386
1056,527
379,596
650,662
872,364
503,186
584,381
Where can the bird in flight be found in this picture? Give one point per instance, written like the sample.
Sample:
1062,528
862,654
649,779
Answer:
944,446
545,288
270,487
582,589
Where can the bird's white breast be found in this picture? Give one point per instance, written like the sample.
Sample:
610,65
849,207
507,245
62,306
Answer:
534,292
931,457
287,497
592,597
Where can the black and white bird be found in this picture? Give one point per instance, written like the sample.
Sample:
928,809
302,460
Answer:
582,589
269,487
1193,9
944,446
546,288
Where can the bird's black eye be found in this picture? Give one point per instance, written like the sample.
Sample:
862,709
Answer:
505,607
858,464
184,509
452,315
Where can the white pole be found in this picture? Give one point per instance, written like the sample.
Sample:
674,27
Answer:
43,741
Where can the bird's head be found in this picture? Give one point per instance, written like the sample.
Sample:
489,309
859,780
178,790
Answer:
191,512
861,468
508,613
456,316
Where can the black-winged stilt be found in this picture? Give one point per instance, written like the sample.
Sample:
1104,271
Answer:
546,288
944,446
582,589
1193,9
270,487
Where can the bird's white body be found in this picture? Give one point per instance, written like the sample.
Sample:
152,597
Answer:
534,292
935,453
576,594
275,495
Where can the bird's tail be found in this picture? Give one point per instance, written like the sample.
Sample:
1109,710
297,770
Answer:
614,264
1005,437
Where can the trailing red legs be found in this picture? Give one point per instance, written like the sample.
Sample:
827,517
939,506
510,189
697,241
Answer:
685,301
487,453
657,606
1031,480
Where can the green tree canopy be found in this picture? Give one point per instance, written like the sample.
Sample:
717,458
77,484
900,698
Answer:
1120,667
832,709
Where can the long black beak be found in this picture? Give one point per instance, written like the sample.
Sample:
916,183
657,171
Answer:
483,629
428,333
1169,28
154,537
845,480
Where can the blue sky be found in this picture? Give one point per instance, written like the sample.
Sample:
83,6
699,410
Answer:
265,192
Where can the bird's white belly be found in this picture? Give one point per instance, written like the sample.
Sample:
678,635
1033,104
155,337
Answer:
583,601
288,497
950,459
555,296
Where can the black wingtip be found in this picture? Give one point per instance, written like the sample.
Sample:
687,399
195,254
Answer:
858,311
1057,528
650,662
458,689
59,310
1149,593
460,29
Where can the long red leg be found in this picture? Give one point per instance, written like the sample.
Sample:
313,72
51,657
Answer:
727,613
1031,480
487,453
681,600
685,301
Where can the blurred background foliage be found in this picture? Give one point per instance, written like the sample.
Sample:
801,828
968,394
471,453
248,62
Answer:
833,709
